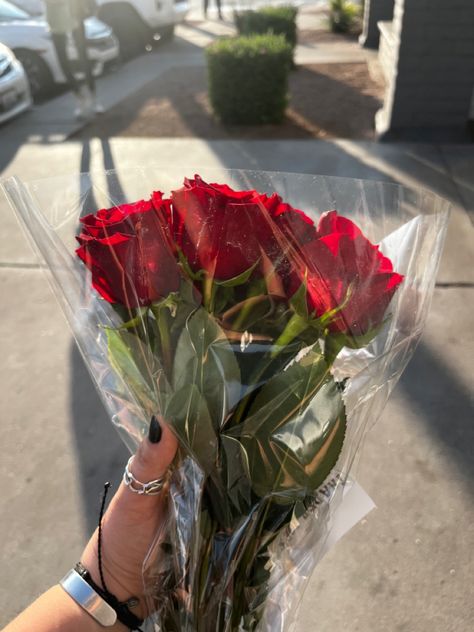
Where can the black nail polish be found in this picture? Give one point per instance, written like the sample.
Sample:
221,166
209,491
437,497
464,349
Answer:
155,432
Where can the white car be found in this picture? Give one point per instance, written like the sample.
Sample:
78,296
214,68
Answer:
30,39
14,88
135,22
33,7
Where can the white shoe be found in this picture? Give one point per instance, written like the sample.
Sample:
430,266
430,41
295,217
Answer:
97,106
84,106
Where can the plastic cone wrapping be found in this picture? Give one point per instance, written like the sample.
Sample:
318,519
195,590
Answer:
266,317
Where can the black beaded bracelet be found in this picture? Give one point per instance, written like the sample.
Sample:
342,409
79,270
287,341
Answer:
122,608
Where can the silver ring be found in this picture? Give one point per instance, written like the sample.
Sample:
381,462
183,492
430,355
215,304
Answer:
152,488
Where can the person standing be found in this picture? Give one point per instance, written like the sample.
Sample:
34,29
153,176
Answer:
66,19
219,8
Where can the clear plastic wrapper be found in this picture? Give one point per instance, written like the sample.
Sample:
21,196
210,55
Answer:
266,328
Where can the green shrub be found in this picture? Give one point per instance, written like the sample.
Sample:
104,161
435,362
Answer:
277,20
344,16
248,78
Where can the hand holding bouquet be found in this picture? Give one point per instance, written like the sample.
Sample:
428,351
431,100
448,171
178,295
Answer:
239,320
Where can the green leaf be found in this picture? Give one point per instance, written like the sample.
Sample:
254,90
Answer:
238,280
309,446
255,287
189,417
247,313
170,316
205,358
354,342
294,430
224,296
133,361
299,303
237,473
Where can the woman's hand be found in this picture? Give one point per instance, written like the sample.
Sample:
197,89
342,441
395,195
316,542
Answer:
132,521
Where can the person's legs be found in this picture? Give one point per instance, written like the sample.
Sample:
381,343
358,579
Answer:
219,9
206,6
60,41
85,67
60,46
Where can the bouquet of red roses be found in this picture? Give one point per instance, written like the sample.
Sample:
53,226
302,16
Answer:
266,341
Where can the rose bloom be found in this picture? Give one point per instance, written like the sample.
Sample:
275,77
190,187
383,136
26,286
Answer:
127,251
343,270
225,232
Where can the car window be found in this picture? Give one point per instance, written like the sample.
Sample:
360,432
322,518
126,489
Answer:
10,13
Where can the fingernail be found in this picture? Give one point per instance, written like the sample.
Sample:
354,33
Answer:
155,432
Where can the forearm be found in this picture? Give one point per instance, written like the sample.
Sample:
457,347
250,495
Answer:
56,611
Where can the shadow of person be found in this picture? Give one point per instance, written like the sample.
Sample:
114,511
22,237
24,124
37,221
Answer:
100,453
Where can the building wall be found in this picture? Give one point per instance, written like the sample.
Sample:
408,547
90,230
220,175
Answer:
374,12
432,75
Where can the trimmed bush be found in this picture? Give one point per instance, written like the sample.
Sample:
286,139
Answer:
277,20
248,78
344,16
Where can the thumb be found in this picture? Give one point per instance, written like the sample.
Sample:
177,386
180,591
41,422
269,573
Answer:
155,453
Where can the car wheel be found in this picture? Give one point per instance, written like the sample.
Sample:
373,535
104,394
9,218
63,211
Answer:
166,33
38,73
132,33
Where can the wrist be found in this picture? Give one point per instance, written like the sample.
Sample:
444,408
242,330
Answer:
119,589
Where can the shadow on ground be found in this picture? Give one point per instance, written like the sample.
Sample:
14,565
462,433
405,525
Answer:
101,455
445,407
327,100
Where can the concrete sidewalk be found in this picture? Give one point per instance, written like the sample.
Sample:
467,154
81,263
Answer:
406,567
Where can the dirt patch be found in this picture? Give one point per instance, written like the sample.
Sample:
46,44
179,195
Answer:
324,36
327,100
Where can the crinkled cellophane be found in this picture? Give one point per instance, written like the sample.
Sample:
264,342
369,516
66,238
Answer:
245,528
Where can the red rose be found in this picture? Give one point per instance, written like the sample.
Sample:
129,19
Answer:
343,269
293,224
213,225
225,232
128,253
